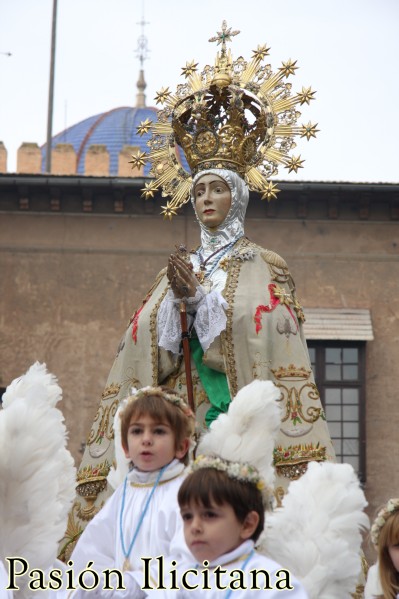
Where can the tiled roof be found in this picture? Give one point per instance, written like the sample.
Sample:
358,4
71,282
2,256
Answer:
338,323
114,129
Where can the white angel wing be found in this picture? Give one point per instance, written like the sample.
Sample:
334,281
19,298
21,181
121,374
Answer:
317,532
37,473
248,431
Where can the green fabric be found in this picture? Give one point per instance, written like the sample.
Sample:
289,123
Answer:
214,383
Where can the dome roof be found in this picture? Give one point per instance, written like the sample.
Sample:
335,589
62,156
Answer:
114,129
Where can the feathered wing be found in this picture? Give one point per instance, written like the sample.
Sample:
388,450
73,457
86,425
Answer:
317,532
37,473
248,431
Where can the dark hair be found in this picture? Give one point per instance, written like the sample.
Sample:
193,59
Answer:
161,410
208,485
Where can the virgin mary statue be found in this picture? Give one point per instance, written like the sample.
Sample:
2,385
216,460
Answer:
235,123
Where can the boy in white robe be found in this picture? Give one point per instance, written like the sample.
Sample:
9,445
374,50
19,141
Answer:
142,517
223,513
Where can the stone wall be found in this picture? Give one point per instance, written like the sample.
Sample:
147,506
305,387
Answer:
72,279
64,160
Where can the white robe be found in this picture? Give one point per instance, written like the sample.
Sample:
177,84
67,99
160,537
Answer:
4,594
161,532
232,561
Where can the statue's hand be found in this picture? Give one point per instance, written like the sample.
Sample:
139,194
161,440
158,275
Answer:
182,280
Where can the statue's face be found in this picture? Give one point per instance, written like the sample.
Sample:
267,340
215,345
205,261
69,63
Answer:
212,200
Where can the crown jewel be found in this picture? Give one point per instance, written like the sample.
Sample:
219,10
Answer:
237,115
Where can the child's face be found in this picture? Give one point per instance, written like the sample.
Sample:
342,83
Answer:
151,444
393,551
212,532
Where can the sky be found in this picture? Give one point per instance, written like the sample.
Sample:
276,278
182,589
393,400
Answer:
347,50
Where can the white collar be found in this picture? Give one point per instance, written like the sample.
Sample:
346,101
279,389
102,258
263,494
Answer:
239,553
173,469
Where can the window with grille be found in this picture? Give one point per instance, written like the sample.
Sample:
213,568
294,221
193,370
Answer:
339,370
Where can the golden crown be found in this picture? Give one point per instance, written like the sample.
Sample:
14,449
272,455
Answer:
237,115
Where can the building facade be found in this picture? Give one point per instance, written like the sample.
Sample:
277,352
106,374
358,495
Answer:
78,254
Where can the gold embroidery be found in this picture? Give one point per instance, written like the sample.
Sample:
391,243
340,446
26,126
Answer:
112,389
291,372
282,295
258,366
365,566
72,534
293,398
279,495
93,473
227,334
274,259
154,337
104,431
277,266
293,401
299,310
224,264
178,381
162,482
359,593
92,480
130,382
88,512
293,472
291,462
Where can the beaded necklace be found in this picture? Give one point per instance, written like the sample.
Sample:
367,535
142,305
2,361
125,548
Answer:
126,563
203,274
244,563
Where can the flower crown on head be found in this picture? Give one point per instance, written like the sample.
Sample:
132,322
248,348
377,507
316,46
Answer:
241,471
389,508
171,397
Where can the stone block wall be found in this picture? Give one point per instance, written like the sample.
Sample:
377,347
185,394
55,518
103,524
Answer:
64,160
29,158
3,158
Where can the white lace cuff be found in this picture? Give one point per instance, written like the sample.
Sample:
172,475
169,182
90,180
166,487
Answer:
210,319
169,326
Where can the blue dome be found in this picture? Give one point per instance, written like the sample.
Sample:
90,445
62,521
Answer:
114,129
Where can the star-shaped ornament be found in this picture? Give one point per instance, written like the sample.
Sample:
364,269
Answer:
162,95
144,127
189,69
283,296
168,211
270,192
309,130
294,164
260,52
149,190
306,95
138,160
288,68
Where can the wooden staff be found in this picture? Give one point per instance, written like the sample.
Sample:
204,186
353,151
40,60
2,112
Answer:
187,355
